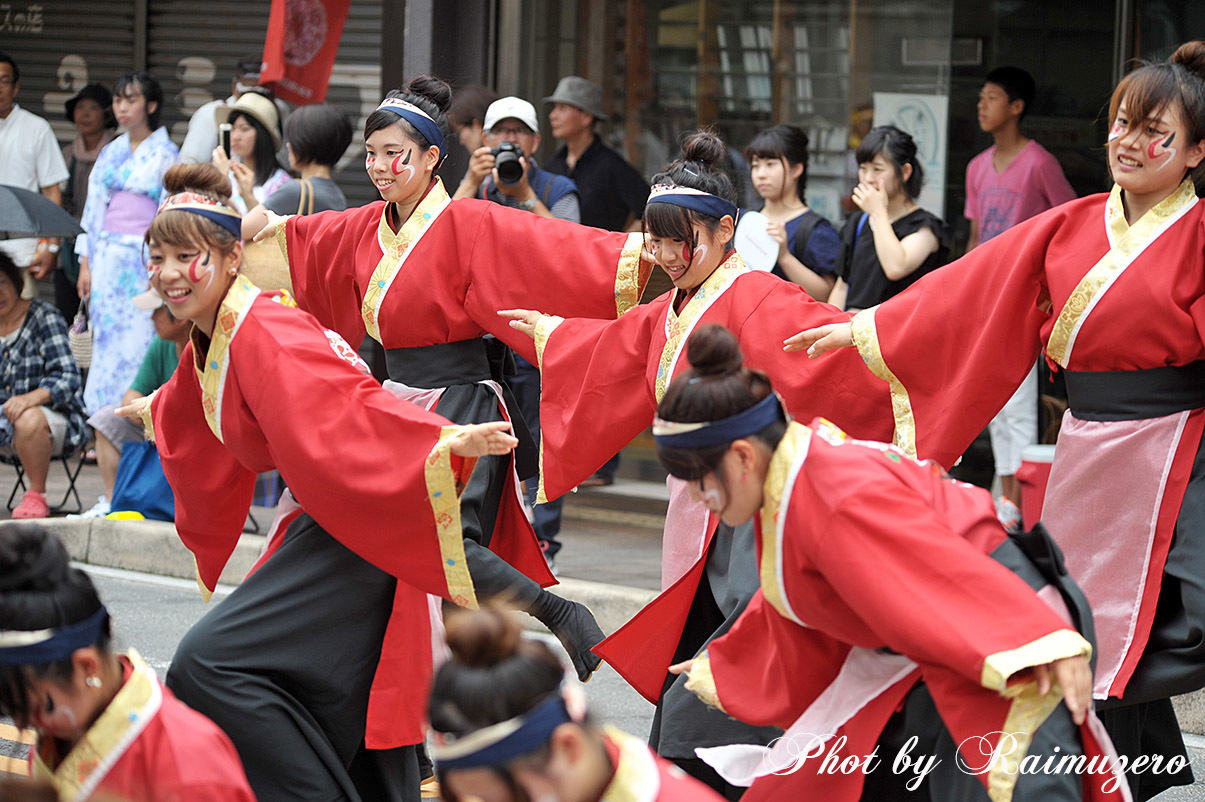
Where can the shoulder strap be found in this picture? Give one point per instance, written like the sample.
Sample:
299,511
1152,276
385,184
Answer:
806,226
305,203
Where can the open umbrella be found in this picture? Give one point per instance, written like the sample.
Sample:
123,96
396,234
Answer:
31,214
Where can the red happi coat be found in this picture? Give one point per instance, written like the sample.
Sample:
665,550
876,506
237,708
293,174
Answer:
145,747
602,381
1096,294
875,576
443,276
275,391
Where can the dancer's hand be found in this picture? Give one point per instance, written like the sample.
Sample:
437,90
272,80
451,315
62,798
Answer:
134,410
682,668
821,339
482,439
1074,675
260,223
523,320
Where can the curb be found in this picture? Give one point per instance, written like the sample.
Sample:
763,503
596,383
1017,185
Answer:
153,547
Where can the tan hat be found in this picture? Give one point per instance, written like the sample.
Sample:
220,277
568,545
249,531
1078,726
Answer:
577,91
148,299
253,104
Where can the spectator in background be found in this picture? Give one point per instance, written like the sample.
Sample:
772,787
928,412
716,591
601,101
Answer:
160,361
1013,180
514,120
29,158
893,241
315,138
807,243
467,114
202,135
612,192
91,110
254,139
43,410
123,195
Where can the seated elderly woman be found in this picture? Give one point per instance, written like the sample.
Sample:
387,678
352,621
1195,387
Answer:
40,389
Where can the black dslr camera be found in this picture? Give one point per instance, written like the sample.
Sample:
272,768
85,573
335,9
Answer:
506,162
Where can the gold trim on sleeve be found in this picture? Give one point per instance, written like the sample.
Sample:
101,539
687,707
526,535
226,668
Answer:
144,412
445,504
281,234
545,326
701,682
997,668
866,338
627,274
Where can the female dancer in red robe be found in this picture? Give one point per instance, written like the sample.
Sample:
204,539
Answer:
105,725
1112,289
317,665
895,615
424,277
601,381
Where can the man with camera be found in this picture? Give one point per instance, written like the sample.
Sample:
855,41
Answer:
502,170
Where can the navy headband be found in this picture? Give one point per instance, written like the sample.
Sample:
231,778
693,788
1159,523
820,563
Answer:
690,198
42,647
225,216
721,432
501,743
420,120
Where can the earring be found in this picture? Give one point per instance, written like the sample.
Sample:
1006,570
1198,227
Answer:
92,681
232,271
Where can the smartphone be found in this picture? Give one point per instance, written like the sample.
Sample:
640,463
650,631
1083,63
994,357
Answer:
224,137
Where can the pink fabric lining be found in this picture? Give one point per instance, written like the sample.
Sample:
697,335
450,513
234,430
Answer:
1107,536
686,527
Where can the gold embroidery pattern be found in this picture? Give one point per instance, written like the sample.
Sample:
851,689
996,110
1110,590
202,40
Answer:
627,274
206,593
784,467
866,338
212,375
117,727
282,237
395,248
445,504
702,682
637,778
678,328
1129,245
1115,217
545,326
144,413
1026,713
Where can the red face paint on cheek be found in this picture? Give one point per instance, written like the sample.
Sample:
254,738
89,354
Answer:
403,161
192,268
687,256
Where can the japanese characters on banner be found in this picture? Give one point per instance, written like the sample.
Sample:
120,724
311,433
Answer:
300,48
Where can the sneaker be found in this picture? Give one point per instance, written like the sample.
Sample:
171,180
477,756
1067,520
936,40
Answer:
33,505
98,510
1009,514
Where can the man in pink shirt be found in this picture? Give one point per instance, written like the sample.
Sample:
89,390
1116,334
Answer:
1013,180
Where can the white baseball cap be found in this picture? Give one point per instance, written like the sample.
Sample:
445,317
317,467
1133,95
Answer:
507,107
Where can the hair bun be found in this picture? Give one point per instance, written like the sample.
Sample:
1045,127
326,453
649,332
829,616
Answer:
714,351
31,560
203,178
704,147
434,89
483,638
1191,56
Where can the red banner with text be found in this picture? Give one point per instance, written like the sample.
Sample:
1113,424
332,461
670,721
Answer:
299,52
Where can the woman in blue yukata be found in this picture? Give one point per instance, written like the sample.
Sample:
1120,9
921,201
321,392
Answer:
123,195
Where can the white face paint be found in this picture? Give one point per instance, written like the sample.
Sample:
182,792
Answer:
712,500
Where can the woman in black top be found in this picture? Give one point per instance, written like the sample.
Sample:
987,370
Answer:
892,242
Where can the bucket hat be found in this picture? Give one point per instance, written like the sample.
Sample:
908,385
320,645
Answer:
576,91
